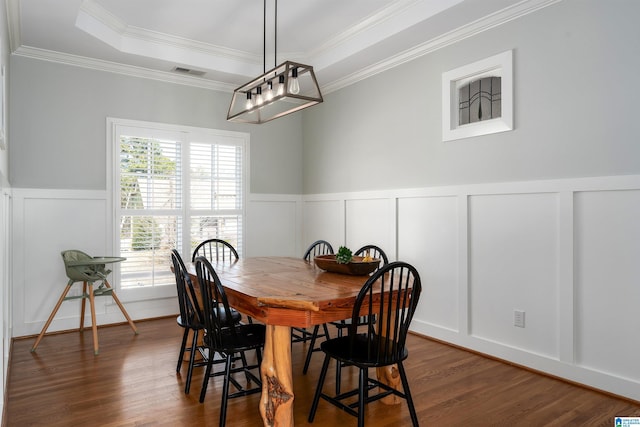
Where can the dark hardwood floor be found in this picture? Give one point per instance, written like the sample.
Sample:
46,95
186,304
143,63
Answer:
132,382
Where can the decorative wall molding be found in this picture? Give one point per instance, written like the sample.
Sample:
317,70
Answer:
510,13
114,67
486,250
482,250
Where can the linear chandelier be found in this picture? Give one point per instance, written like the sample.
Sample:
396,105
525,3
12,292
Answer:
285,89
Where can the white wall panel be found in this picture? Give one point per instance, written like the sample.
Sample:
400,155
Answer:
71,224
370,222
563,251
46,222
513,252
428,239
607,281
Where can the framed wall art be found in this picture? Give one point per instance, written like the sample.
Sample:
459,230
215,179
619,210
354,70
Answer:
477,99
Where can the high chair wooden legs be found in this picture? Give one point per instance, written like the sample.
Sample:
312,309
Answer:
89,292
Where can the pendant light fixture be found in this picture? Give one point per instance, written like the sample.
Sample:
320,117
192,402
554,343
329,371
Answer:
285,89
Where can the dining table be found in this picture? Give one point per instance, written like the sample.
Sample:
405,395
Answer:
285,292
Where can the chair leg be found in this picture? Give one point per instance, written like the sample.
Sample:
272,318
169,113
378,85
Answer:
192,357
338,368
362,395
225,391
94,325
207,374
83,305
126,315
316,397
407,394
310,349
51,316
183,347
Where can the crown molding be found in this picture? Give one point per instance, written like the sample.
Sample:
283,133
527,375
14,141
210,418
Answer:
488,22
110,29
127,70
375,28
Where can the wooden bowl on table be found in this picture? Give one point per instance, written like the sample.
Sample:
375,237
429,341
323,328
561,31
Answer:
357,267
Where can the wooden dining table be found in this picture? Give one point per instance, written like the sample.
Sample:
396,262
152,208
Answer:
284,292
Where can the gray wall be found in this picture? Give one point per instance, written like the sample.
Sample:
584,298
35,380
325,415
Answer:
575,112
58,120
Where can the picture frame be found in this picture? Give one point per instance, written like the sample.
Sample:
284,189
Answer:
455,122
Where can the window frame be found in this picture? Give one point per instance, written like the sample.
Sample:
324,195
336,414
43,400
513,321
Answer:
184,135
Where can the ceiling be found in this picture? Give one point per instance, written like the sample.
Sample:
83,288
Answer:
221,44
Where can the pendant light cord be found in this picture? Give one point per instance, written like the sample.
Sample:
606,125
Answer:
264,36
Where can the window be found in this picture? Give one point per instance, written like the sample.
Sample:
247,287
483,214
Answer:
173,187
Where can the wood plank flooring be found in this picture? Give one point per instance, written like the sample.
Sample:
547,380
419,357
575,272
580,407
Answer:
132,382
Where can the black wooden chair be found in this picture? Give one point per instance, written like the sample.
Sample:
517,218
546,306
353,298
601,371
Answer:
190,319
374,252
215,250
230,342
319,247
398,286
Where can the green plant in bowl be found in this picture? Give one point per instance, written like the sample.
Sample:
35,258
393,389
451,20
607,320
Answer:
344,255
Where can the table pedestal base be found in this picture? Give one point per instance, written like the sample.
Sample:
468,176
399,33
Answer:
276,403
390,376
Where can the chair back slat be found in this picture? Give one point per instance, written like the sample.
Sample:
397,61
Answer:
319,247
374,252
389,298
215,250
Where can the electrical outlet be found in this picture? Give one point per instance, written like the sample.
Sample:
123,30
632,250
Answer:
518,318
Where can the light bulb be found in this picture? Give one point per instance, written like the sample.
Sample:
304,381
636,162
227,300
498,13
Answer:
281,84
259,98
269,94
294,85
249,104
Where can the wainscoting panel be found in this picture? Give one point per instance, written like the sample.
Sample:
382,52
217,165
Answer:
563,252
428,239
370,222
46,222
607,281
513,253
51,224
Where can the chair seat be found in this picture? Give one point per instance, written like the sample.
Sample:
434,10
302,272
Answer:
340,349
187,325
193,324
246,337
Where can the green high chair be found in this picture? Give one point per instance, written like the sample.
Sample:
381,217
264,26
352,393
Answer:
84,268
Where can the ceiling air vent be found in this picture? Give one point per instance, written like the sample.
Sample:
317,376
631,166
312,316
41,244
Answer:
189,71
